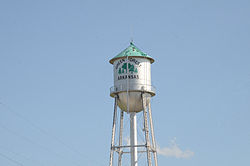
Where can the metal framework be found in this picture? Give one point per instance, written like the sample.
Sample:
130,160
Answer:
149,146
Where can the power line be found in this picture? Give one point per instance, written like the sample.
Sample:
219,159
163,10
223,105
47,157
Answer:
34,143
12,160
21,155
41,130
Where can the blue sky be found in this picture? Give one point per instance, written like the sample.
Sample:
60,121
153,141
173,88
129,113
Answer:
55,77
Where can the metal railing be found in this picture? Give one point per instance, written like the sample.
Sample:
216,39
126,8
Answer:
132,87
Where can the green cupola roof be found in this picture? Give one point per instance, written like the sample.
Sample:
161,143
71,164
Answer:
131,51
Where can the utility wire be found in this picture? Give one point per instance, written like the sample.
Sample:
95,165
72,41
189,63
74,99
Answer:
21,155
12,160
41,130
30,140
34,143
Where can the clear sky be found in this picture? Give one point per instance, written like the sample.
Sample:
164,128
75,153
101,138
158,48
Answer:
55,108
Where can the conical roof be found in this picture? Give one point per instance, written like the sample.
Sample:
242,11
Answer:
131,51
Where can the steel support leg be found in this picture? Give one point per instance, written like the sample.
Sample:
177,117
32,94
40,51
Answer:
146,129
152,134
120,139
113,133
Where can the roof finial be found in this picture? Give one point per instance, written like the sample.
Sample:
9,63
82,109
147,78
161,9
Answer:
131,41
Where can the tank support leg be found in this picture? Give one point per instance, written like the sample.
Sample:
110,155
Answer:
113,133
120,139
152,134
148,147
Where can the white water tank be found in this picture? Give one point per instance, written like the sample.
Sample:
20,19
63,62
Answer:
132,76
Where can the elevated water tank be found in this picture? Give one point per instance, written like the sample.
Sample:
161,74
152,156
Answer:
132,76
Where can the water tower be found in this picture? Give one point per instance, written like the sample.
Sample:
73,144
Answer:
132,92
